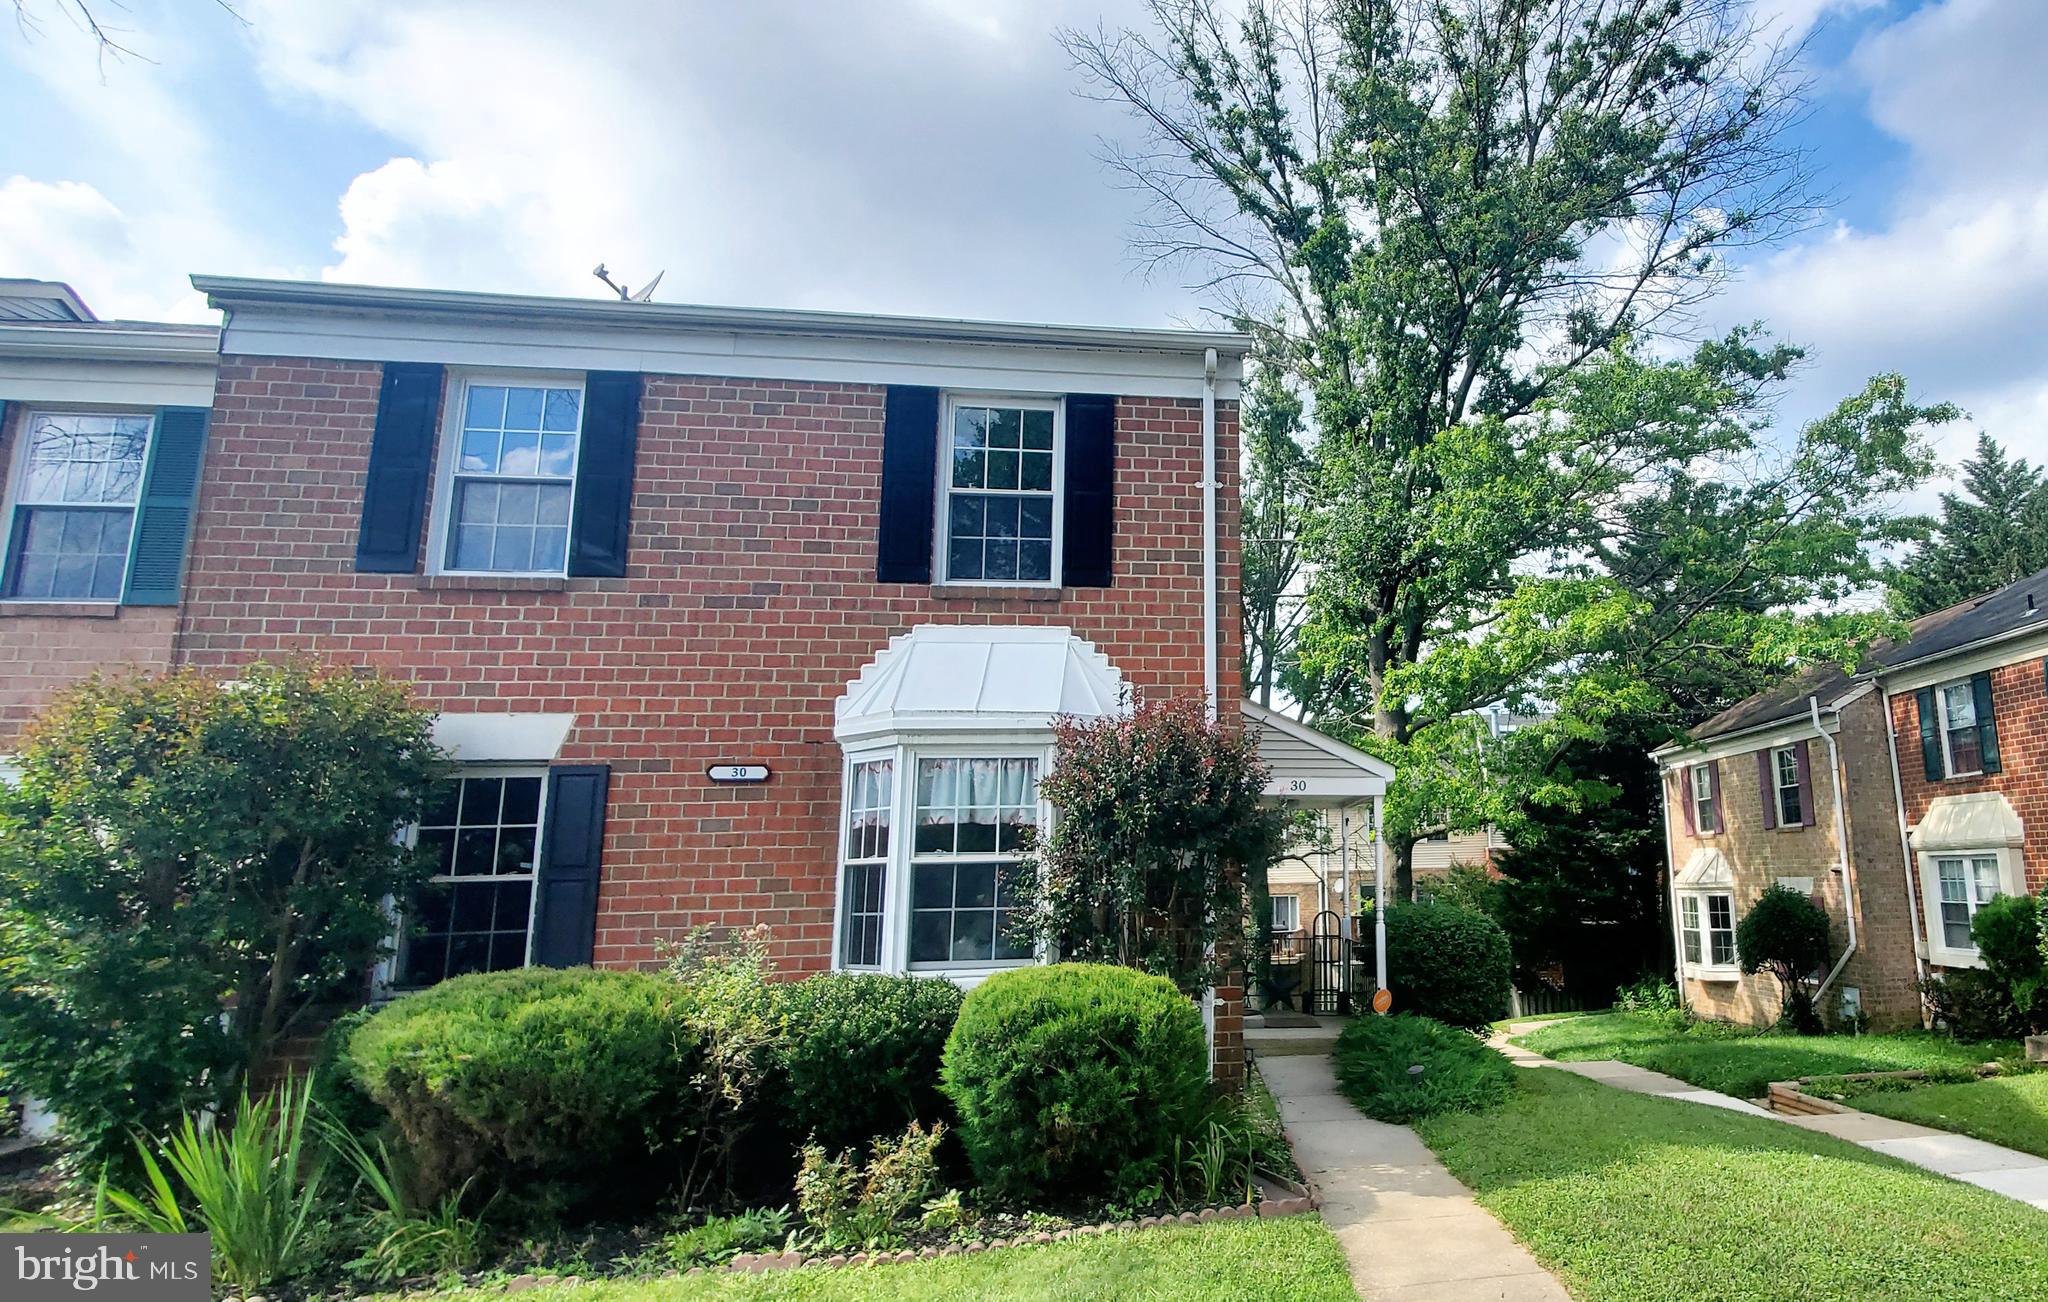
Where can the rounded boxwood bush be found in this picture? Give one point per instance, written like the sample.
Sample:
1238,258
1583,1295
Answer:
861,1053
573,1081
1377,1058
1076,1080
1444,962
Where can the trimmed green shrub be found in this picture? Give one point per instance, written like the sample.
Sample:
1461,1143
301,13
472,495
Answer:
1971,1005
1076,1079
2007,933
861,1053
1406,1067
573,1084
1444,962
1786,934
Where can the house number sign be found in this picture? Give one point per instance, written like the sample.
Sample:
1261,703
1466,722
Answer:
737,772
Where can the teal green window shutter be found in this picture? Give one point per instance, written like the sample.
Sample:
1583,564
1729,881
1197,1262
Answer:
1930,735
1987,723
163,518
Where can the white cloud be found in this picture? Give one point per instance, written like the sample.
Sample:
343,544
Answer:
1950,287
68,230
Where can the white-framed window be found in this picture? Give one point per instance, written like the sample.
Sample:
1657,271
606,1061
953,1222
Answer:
483,828
1706,928
1785,775
1964,883
1000,509
1702,780
510,448
1962,745
76,480
864,866
1286,914
933,842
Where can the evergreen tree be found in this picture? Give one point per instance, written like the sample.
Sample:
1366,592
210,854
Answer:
1994,533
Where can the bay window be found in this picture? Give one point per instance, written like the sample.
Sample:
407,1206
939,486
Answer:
1966,884
1706,928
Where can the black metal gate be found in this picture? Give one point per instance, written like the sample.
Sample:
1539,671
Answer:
1329,965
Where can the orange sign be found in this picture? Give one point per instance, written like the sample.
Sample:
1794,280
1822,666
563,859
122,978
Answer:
1382,1000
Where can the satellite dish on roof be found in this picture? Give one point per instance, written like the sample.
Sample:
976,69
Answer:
646,294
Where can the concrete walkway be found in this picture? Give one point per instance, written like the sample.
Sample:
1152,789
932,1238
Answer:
1411,1231
2007,1171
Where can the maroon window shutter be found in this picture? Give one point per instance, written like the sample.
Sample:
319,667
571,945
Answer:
1685,800
1806,787
1767,785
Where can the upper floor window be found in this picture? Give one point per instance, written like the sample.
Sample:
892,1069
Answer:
77,480
999,510
1785,772
510,475
1702,794
1962,747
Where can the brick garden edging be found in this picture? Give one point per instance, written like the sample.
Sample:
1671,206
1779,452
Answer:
1790,1096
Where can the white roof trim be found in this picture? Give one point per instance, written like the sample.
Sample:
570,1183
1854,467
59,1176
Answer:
947,678
112,341
1708,867
1984,820
1371,777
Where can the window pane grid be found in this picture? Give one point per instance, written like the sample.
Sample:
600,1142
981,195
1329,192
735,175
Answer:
81,475
871,795
1721,929
1000,494
974,817
1790,811
475,915
514,474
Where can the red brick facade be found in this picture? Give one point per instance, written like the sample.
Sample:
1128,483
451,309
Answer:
2020,693
46,647
749,604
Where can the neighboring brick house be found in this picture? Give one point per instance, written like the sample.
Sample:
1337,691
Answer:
102,425
1940,752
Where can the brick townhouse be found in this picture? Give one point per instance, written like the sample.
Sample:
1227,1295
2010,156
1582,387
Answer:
735,617
1902,798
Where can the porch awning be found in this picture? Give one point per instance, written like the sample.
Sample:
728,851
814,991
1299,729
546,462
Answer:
1707,867
1310,768
962,678
1983,820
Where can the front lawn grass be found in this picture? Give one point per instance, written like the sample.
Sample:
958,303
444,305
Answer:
2008,1110
1743,1062
1287,1257
1631,1196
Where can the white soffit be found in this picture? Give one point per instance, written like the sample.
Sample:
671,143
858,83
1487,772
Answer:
939,678
502,738
1310,767
1983,821
1707,867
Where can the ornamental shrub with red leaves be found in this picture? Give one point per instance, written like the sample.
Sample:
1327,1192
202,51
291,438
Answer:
1159,826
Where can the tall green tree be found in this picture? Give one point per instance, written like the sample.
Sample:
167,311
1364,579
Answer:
1272,510
1474,234
1993,533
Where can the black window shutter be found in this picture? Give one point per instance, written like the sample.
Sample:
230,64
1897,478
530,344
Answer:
1088,540
163,516
1930,734
1987,722
910,452
401,458
604,475
565,907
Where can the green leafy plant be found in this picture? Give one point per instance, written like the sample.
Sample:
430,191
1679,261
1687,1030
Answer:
254,1186
860,1054
1405,1067
731,1005
1786,934
1462,886
1650,994
2007,933
851,1206
187,867
721,1238
1971,1004
1444,962
943,1213
1076,1079
1163,821
582,1086
403,1240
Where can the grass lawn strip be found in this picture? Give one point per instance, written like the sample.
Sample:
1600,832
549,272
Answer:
2008,1110
1743,1062
1630,1196
1285,1257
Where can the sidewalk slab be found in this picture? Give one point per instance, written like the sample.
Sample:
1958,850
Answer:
1953,1154
1410,1230
2029,1184
1856,1127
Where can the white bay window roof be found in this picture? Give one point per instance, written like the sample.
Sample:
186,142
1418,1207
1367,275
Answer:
1707,870
939,679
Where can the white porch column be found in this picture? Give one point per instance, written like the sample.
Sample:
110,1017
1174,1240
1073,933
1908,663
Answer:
1379,892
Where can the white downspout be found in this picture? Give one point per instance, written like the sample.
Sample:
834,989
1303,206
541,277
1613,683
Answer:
1891,736
1835,780
1209,615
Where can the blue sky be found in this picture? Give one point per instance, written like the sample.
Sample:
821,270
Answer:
921,156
